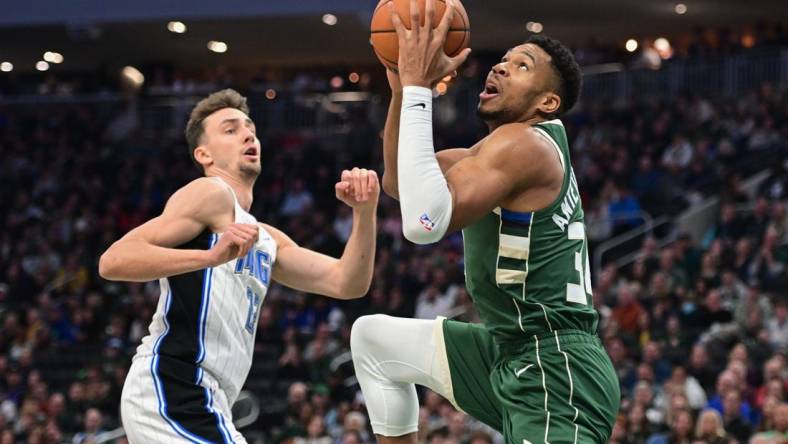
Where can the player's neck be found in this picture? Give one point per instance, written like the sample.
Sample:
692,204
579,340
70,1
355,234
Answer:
530,121
242,188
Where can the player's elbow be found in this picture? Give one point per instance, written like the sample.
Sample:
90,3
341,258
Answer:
355,293
355,289
107,267
110,264
418,234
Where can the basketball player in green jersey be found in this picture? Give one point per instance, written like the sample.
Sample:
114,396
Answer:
534,369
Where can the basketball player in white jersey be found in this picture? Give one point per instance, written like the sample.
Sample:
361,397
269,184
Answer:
214,262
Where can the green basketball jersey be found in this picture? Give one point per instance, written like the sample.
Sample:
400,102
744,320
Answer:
528,273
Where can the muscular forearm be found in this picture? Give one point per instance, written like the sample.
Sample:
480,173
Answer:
357,261
140,261
390,141
425,198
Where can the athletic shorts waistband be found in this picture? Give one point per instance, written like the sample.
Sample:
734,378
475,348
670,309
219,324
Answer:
549,340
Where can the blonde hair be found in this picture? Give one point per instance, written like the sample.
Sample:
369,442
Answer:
719,430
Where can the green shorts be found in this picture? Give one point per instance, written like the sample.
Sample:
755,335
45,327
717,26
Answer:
556,388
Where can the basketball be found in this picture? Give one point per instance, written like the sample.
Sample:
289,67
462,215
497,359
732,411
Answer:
384,36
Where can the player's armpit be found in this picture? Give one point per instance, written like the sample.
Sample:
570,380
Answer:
202,203
146,252
309,271
513,157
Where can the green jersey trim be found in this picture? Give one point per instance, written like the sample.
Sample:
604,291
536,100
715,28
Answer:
565,164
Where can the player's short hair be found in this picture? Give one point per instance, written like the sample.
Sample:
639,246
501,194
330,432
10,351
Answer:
226,98
570,78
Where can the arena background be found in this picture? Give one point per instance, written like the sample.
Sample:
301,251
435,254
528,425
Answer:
678,143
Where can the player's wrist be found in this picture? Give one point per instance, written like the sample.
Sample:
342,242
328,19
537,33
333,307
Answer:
420,83
208,258
365,211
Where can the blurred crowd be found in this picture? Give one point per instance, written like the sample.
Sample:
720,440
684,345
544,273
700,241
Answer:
162,78
697,329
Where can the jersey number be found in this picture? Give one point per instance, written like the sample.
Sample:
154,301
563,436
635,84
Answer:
254,306
577,292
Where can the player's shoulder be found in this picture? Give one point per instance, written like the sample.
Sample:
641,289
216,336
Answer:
517,141
204,193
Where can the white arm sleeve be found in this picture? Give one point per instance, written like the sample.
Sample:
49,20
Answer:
425,199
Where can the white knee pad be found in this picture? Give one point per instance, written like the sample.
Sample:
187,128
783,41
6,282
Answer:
390,355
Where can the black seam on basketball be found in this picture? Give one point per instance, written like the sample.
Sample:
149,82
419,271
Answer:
384,58
385,31
465,30
464,36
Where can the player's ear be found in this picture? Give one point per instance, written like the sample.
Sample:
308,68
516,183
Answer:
203,156
549,103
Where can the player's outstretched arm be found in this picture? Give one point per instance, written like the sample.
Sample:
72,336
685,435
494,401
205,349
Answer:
146,252
349,276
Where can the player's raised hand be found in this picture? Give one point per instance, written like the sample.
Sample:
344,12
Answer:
359,188
422,60
235,242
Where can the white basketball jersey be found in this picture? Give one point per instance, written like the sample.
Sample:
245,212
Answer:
206,320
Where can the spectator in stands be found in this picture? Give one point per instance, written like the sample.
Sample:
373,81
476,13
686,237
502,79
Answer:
778,325
350,437
638,426
683,383
93,428
680,430
773,371
357,421
736,424
652,356
710,429
315,433
458,427
627,310
780,421
432,303
623,364
678,154
623,208
775,186
297,200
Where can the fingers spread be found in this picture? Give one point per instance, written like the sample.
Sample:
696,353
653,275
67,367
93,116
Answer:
448,16
429,15
415,16
396,20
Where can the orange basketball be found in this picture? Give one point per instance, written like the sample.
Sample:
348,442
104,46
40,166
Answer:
384,36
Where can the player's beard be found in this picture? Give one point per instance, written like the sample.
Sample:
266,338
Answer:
249,171
501,115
